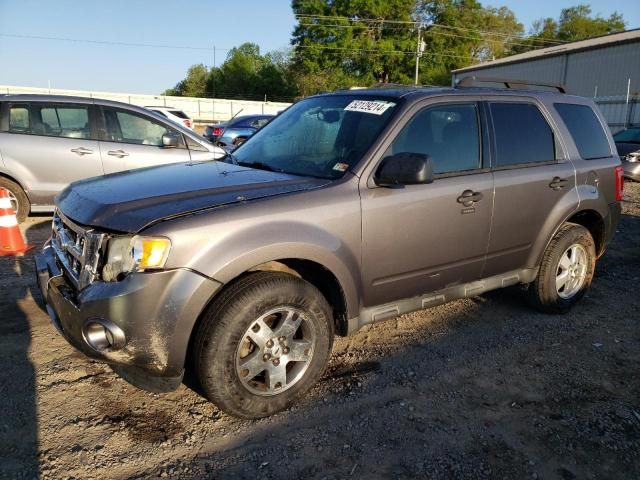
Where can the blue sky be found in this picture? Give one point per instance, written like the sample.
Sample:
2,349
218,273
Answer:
198,26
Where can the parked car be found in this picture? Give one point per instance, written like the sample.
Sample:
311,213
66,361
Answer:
175,115
48,141
628,146
347,209
236,131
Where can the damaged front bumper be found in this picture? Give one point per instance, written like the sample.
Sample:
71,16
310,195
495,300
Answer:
148,318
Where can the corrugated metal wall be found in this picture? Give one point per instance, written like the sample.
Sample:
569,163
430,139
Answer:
607,68
602,72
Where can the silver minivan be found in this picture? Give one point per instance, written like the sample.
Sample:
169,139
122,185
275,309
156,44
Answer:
49,141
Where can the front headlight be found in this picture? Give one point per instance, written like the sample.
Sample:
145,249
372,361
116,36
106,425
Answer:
134,254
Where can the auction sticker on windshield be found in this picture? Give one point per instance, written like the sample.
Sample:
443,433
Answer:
376,107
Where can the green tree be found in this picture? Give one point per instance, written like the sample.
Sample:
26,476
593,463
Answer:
194,85
245,73
341,43
462,32
574,23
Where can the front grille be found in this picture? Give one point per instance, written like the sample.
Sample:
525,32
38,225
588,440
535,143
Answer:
77,249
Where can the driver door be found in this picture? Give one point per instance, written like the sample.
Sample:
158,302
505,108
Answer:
132,140
421,238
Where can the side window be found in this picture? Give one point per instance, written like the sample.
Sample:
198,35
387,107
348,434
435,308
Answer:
128,127
260,122
522,134
450,134
19,119
62,121
586,130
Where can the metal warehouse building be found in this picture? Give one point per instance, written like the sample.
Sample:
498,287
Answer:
607,68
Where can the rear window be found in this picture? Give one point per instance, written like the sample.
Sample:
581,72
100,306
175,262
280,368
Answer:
178,113
586,130
522,134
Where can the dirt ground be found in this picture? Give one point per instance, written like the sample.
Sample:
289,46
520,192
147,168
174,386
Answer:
480,388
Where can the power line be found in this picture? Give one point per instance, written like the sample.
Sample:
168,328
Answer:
107,42
415,23
431,31
378,52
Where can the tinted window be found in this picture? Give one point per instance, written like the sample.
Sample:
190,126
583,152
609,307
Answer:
522,134
19,119
61,121
448,133
586,130
128,127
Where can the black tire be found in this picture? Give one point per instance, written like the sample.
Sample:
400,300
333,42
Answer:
222,331
24,206
542,292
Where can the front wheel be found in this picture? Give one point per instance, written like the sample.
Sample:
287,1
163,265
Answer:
566,270
263,344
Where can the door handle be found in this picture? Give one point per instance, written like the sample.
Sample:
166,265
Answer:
557,183
82,151
469,197
117,153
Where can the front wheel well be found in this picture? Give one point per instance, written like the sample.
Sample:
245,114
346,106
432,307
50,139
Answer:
321,278
314,273
592,221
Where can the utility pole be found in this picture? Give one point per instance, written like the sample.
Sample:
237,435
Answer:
420,46
213,87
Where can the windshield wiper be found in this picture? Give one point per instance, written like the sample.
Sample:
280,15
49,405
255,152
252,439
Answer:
259,166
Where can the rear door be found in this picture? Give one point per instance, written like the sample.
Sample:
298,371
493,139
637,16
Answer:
532,175
132,140
421,238
49,145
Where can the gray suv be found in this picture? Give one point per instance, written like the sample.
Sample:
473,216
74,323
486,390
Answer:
49,141
348,208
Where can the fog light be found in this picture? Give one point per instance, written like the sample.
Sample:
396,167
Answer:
101,335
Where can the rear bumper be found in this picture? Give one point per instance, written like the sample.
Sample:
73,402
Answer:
611,223
155,312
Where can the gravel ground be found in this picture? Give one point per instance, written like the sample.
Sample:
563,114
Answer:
479,388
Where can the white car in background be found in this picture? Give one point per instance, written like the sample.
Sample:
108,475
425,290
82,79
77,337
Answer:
174,115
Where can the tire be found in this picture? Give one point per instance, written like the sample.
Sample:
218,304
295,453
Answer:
17,197
231,344
554,292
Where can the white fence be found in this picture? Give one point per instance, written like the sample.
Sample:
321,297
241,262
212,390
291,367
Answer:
200,109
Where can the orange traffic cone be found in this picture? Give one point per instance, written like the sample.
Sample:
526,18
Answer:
11,241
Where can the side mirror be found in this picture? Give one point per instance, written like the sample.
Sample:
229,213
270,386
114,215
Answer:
170,140
405,168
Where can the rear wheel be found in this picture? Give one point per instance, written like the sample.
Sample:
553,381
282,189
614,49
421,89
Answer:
19,200
566,270
263,344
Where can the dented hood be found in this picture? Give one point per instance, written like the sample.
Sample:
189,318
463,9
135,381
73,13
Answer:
130,201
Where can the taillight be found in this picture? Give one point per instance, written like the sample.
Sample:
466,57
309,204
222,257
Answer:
217,131
619,182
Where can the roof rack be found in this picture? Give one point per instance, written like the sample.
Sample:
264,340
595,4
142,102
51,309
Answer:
473,81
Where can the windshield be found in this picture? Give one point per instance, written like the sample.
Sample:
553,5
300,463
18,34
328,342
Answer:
318,137
630,135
